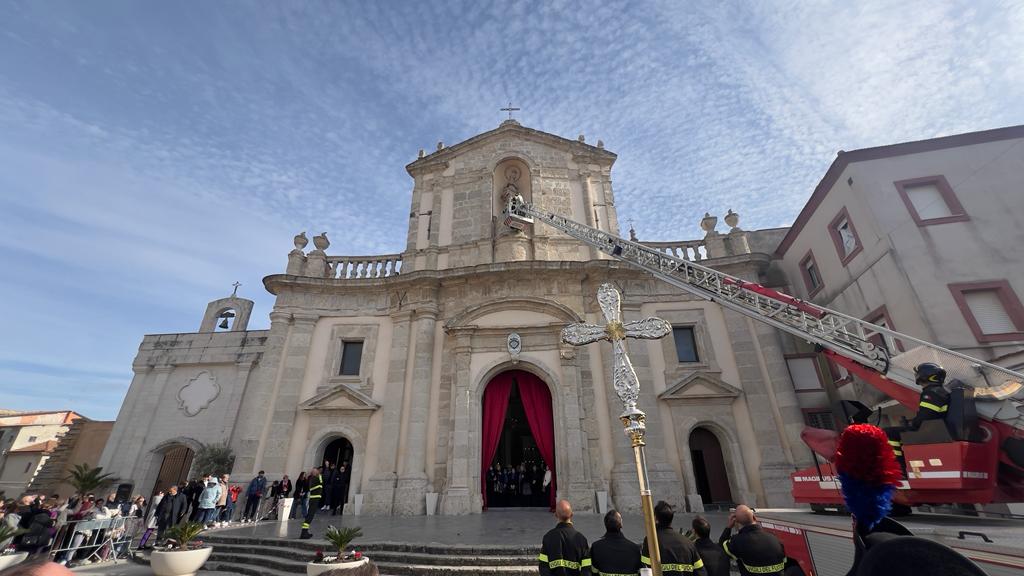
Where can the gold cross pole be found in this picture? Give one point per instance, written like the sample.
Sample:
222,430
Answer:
627,387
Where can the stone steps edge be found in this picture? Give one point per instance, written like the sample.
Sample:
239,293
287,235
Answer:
299,566
380,555
429,548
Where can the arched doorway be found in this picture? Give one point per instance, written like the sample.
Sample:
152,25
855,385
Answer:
518,442
339,451
174,468
709,468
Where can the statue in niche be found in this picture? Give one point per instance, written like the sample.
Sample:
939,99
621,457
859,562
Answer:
511,188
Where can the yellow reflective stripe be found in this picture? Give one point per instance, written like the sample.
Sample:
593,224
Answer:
562,563
585,563
542,558
725,546
896,443
599,573
934,408
682,567
765,569
645,560
305,525
314,496
898,452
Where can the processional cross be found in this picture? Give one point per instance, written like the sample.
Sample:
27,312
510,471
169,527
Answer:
627,387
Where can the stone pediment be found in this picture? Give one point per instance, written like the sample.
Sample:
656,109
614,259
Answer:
511,127
704,386
340,397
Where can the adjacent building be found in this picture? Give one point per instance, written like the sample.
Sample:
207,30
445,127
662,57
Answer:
27,439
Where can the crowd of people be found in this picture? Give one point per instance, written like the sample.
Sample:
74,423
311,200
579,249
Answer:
42,521
528,484
566,552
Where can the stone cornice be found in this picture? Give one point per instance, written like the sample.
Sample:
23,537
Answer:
276,283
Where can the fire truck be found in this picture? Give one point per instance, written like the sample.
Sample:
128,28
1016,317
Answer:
974,456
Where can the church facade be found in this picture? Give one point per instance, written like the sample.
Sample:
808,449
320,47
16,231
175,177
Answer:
392,363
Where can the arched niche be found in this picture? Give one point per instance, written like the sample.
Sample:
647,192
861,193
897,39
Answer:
511,175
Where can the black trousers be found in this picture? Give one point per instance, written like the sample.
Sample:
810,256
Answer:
252,504
314,506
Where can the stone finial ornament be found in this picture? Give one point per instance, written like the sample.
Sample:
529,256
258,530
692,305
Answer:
421,154
732,219
708,223
321,242
440,145
300,241
581,138
600,144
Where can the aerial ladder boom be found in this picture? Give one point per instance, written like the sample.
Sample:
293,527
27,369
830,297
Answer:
848,341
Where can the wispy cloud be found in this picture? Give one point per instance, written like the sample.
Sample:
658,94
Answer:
150,155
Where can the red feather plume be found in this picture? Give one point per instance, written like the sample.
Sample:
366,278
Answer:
864,453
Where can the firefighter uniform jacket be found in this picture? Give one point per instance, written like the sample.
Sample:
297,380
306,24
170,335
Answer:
316,489
678,554
564,552
615,555
933,405
754,550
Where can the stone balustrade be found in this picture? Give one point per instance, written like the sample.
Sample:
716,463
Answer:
352,267
691,250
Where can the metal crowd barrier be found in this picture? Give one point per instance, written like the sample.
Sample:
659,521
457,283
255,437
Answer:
84,540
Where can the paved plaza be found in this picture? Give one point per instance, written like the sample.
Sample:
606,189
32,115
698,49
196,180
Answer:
495,527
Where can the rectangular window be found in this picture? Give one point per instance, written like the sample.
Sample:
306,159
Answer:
32,439
803,370
844,236
992,310
931,200
686,344
351,356
880,317
811,274
28,467
822,419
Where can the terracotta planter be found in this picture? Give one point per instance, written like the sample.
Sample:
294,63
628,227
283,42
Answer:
8,560
179,562
312,568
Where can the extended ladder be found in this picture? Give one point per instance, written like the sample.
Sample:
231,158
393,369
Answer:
847,340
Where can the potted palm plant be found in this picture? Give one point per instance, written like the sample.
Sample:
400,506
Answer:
7,534
183,555
340,538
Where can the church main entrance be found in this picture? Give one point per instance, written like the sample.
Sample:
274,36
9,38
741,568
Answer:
518,452
709,469
338,452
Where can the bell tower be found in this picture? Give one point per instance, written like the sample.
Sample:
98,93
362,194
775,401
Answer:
459,195
229,314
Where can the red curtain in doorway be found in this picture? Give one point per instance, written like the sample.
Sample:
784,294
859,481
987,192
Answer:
495,405
537,405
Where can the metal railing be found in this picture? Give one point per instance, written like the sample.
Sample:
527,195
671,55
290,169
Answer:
84,540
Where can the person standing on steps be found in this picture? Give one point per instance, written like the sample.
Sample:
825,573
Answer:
316,489
339,490
253,495
301,495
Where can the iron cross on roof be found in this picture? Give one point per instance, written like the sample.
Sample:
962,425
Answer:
236,285
510,109
626,384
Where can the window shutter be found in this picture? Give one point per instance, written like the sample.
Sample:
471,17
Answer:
988,311
928,201
804,374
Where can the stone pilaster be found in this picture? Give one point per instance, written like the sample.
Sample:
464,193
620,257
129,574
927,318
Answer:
574,474
380,490
461,496
776,464
411,488
277,433
257,403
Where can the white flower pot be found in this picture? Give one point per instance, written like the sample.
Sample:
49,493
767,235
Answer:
8,560
312,568
179,562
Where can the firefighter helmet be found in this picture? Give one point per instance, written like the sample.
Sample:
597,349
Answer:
930,372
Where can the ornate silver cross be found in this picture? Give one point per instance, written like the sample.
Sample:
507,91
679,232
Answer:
624,379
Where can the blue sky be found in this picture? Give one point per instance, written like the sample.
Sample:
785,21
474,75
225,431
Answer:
152,153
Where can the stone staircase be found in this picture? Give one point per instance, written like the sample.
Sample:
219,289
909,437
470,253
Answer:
278,557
